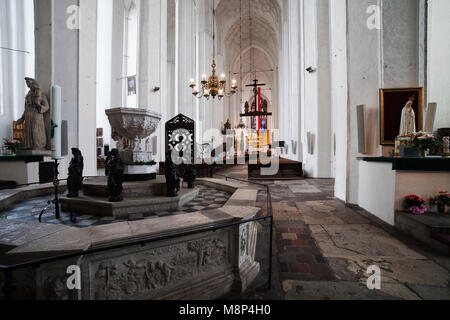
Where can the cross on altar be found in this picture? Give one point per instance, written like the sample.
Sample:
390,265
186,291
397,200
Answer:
255,86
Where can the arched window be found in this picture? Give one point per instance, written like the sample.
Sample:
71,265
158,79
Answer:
17,59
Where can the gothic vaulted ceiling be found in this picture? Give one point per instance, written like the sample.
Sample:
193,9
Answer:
248,23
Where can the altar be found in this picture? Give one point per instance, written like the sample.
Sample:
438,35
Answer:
384,182
21,169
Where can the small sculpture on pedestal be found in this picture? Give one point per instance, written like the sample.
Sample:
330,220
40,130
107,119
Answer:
114,170
36,118
265,106
190,174
247,107
408,120
75,179
172,177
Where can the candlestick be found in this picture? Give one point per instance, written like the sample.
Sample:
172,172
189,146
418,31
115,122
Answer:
56,123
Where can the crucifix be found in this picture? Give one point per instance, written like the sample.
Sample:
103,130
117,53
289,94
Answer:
255,86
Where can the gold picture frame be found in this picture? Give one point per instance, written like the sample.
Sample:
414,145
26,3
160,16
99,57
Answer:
392,102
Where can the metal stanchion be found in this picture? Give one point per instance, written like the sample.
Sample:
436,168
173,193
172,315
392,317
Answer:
55,201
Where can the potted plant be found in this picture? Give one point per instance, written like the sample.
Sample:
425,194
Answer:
12,145
441,201
424,142
415,204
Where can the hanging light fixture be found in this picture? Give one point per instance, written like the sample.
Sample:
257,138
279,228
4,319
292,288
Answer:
213,86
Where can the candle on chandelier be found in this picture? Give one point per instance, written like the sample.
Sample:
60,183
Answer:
222,76
192,81
204,77
220,93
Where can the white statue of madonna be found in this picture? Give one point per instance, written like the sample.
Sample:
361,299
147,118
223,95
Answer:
408,120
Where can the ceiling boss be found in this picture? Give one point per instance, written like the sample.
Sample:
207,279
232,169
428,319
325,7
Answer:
213,86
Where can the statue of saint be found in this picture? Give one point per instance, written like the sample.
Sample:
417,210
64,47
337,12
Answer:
172,174
408,120
227,125
114,170
75,180
36,118
247,107
265,107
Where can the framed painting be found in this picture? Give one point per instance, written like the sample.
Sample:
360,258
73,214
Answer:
392,102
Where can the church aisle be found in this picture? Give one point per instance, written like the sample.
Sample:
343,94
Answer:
322,250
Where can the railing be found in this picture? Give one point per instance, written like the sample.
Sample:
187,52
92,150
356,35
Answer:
8,270
269,216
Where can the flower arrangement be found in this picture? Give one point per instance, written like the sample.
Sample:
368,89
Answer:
442,200
424,141
12,145
415,205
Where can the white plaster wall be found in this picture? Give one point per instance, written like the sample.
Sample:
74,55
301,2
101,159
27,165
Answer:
377,189
438,60
400,43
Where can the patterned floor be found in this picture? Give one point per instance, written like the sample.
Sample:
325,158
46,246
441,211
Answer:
207,199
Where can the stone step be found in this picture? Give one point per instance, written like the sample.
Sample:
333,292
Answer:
101,207
432,229
98,187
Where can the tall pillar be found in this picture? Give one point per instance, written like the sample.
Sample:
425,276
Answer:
153,62
66,56
87,85
294,81
204,62
184,56
117,56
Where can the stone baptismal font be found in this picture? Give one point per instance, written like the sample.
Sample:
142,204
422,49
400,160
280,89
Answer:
136,189
135,125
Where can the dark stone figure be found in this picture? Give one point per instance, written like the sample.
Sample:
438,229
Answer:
75,179
114,170
190,174
172,177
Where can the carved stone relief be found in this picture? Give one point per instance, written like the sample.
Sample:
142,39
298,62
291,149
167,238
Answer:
144,274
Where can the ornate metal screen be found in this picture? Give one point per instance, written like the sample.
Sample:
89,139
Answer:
180,139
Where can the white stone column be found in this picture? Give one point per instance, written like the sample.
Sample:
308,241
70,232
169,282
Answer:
317,89
339,79
294,82
117,56
153,62
87,85
66,56
204,59
184,57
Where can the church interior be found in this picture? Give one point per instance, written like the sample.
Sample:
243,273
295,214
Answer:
224,149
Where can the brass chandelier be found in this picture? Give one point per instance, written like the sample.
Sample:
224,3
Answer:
213,86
